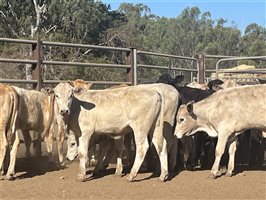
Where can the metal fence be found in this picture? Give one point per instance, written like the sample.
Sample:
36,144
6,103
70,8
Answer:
221,58
131,66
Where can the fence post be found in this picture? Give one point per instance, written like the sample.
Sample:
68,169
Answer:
36,68
37,75
131,59
201,68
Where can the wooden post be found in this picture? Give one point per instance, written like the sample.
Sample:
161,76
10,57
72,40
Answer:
37,75
201,68
36,68
131,60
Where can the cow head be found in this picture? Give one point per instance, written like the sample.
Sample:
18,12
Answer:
72,146
186,121
64,93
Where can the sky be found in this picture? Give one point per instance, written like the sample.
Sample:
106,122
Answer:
238,12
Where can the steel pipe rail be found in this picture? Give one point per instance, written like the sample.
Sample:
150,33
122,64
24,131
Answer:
10,60
95,82
165,67
18,41
85,64
167,55
85,46
17,81
219,56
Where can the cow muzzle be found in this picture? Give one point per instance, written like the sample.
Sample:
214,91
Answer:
64,112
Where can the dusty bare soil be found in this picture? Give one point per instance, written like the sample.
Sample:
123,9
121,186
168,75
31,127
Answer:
36,179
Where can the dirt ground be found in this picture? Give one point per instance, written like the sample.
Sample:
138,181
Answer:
36,179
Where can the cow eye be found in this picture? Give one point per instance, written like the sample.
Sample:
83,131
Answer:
56,96
182,119
72,144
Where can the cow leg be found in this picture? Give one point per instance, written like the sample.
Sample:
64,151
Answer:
49,144
60,139
231,163
127,142
3,148
142,146
222,140
13,154
83,153
92,156
119,153
27,140
104,148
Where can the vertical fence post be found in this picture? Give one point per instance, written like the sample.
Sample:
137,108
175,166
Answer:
131,59
37,75
201,68
36,68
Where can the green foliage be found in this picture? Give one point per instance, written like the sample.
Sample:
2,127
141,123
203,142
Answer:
132,25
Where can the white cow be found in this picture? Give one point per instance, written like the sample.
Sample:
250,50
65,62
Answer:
225,114
8,127
115,112
171,102
35,113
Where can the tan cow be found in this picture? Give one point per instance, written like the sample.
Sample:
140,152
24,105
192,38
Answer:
36,113
225,114
8,127
116,112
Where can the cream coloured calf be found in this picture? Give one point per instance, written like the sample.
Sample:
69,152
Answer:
8,127
225,114
115,112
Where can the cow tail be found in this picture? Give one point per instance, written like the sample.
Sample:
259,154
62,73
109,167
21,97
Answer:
161,112
14,114
50,116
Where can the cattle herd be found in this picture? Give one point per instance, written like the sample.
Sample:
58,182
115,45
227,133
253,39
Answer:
162,116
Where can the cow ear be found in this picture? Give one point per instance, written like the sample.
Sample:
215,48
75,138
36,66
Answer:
89,85
71,83
78,90
190,107
179,79
47,90
214,84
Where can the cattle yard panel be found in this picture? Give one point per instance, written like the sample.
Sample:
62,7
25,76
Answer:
37,61
194,60
222,58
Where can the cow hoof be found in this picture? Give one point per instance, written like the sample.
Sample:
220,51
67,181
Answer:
228,174
62,164
81,178
2,172
130,178
92,163
10,177
118,174
212,176
223,170
164,177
